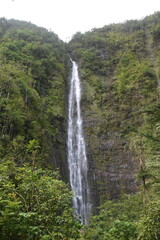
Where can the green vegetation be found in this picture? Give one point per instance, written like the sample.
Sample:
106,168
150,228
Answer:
116,220
119,67
126,219
33,73
34,202
35,205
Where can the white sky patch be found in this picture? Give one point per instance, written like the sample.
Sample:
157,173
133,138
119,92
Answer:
66,17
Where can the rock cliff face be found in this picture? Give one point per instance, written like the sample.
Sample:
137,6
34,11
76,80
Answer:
119,67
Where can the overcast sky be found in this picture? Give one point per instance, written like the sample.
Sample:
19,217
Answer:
66,17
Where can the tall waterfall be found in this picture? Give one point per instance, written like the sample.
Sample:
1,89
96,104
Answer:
77,160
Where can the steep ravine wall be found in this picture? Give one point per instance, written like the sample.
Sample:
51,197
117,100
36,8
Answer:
112,163
119,70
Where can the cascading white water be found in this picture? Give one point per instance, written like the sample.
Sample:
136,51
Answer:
77,160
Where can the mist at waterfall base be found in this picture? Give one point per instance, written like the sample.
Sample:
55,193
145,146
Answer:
77,159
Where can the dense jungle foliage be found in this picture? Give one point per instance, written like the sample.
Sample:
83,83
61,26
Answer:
34,202
119,67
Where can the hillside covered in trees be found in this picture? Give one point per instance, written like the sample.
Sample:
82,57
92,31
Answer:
119,66
34,202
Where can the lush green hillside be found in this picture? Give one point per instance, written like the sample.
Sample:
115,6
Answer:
33,74
119,67
34,203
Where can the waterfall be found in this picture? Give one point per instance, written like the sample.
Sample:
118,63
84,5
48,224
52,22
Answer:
77,160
